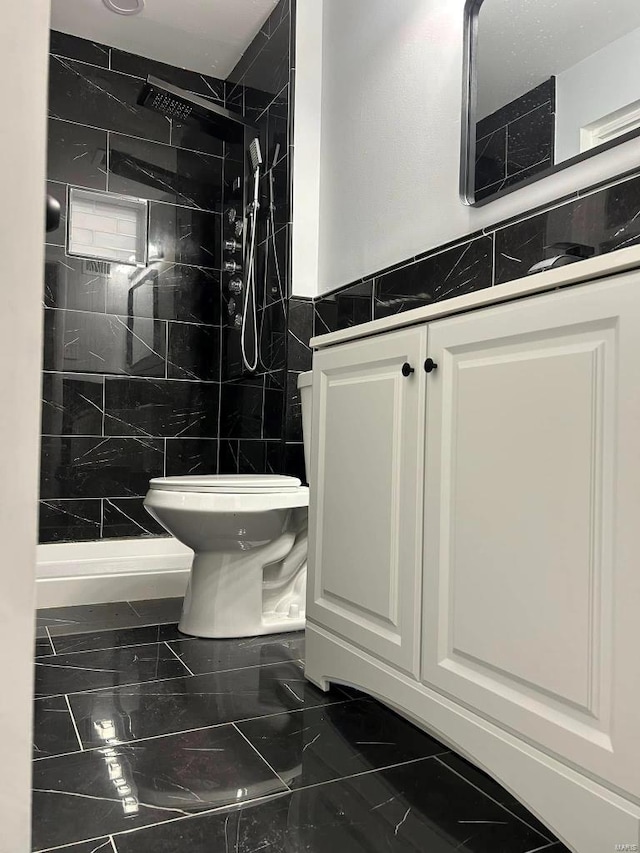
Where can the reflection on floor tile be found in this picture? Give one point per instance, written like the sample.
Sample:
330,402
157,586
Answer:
53,729
321,744
106,668
202,656
239,759
178,704
109,790
420,806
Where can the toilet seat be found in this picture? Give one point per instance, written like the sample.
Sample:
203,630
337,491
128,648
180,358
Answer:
227,492
247,484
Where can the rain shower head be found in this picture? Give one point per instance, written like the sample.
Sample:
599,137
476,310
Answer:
182,106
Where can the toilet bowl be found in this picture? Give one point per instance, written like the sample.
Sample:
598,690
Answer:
249,537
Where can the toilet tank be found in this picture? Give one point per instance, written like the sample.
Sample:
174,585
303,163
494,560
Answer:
304,386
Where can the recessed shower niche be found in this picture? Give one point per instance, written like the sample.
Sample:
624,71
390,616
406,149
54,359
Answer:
107,227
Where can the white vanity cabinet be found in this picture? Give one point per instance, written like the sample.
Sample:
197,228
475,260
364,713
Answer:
369,421
519,585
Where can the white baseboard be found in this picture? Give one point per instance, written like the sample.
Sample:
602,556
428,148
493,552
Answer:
113,570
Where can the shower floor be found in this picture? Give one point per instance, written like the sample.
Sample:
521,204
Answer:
147,741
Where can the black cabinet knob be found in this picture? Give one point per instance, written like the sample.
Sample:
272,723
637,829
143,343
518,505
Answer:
407,370
429,365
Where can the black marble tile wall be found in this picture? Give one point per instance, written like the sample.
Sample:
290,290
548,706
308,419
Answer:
348,307
253,409
299,333
516,141
603,218
132,356
444,275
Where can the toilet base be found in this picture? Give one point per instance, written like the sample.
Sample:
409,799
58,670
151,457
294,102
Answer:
248,593
271,623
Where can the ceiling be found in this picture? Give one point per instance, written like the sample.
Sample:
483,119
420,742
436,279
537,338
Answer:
521,44
207,36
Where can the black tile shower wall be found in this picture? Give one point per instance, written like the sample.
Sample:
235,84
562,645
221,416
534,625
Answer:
132,356
516,141
254,407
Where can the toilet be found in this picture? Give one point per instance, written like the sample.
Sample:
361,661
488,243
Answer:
249,537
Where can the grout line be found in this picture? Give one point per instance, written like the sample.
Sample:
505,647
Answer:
62,847
494,242
374,770
134,610
493,800
124,317
133,743
173,652
46,628
104,403
73,720
113,844
107,159
67,652
62,56
156,680
234,806
166,350
259,754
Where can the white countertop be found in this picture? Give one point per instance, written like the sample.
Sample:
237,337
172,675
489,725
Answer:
600,266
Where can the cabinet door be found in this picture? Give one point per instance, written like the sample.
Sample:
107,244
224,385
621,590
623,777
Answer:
366,506
532,521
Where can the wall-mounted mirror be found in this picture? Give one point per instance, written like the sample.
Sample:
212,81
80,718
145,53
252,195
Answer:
547,83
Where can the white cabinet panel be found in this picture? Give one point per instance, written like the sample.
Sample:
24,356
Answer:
533,417
368,422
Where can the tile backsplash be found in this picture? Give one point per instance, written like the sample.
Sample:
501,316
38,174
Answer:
604,217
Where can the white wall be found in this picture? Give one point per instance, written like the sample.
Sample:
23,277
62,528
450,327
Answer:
23,81
306,161
604,82
390,141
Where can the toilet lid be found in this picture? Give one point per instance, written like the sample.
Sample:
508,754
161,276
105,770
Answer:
228,483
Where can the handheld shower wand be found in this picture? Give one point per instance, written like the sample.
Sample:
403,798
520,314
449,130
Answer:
250,293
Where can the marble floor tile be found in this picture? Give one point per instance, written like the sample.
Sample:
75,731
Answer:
157,611
43,647
53,729
322,744
96,845
119,637
69,673
492,789
89,617
421,807
104,791
202,656
178,704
